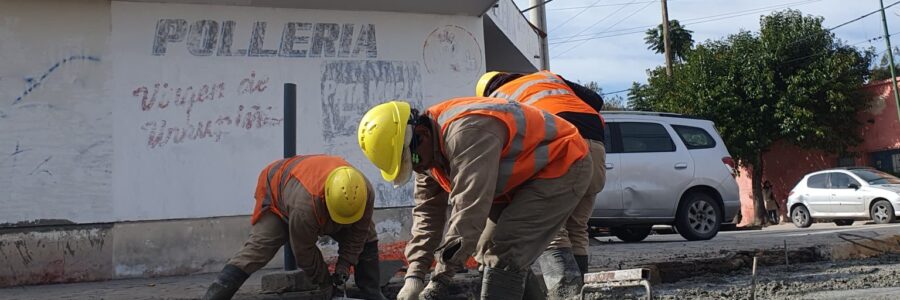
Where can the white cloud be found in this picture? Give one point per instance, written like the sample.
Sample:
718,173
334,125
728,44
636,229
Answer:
615,62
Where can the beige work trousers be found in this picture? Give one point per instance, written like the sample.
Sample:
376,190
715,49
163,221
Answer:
575,233
518,232
269,233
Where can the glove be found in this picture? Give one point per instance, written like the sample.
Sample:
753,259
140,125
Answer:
412,287
339,277
436,289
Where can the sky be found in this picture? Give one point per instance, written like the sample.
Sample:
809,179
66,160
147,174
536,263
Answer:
603,40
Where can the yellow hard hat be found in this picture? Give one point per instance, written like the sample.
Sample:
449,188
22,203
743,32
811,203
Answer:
346,194
483,83
381,134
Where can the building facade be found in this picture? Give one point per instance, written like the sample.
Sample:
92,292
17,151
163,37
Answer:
132,132
786,164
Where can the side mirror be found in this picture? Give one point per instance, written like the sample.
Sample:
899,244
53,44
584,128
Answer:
854,186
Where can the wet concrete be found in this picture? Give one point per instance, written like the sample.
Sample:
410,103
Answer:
821,280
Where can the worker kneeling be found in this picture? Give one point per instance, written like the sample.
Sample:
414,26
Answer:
298,200
470,151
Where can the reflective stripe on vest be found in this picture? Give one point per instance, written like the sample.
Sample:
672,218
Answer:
545,77
546,91
527,152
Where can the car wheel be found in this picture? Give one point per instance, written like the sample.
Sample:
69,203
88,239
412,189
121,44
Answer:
845,222
800,217
883,212
631,234
698,218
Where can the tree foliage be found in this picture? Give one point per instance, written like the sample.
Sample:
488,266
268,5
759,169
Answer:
793,81
882,71
681,40
610,102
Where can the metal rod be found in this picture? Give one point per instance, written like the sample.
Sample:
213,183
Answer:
753,287
290,150
786,262
890,52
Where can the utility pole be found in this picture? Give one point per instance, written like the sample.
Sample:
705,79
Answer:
538,17
665,34
887,40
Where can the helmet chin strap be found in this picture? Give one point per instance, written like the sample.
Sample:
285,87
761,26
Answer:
414,143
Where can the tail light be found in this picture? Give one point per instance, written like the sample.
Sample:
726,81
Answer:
729,162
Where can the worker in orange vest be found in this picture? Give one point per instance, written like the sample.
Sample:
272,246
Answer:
466,152
298,200
577,105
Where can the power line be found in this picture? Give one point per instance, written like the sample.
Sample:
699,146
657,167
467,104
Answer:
803,38
698,19
571,18
854,44
598,5
616,92
604,18
533,7
610,27
863,16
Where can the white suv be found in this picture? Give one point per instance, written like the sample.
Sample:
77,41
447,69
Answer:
844,195
665,169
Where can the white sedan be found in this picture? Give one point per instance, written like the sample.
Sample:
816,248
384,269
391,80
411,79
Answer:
844,195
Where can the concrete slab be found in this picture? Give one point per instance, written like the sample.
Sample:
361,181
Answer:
286,281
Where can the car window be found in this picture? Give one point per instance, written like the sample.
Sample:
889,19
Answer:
875,176
819,181
610,138
694,137
645,137
841,181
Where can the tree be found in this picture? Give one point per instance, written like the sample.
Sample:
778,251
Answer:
792,81
610,102
615,103
883,70
680,38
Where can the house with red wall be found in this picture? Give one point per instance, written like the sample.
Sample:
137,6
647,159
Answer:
785,164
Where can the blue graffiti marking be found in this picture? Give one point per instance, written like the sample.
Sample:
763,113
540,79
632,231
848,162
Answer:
33,83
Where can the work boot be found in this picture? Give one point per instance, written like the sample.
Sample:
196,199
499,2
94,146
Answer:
561,274
534,289
502,284
583,263
368,273
229,281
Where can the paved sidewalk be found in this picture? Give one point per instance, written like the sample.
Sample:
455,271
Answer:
607,253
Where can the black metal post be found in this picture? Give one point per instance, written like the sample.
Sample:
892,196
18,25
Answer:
290,150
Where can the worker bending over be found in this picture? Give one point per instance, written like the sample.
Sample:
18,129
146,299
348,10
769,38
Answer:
466,152
577,105
299,199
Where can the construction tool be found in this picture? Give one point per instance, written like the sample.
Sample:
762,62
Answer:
617,279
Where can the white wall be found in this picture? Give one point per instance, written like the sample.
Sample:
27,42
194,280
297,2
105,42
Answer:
125,144
55,116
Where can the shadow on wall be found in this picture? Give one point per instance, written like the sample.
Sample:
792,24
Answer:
785,164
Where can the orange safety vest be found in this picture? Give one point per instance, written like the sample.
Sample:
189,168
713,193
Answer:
310,170
546,91
540,145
